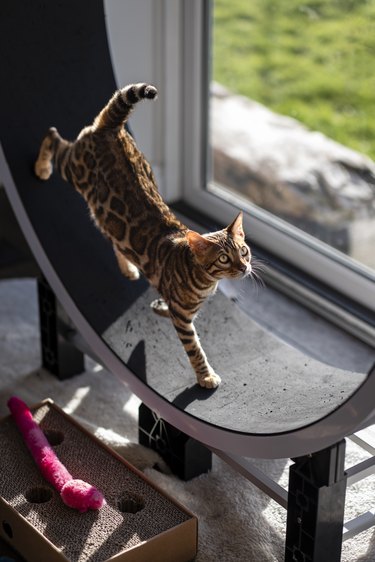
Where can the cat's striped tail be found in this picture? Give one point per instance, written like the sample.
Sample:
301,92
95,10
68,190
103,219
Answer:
119,107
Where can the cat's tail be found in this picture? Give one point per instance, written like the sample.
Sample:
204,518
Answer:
119,107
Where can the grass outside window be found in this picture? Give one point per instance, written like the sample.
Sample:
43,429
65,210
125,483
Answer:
312,61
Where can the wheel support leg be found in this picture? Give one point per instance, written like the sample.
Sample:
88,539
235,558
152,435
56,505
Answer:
59,357
316,502
186,457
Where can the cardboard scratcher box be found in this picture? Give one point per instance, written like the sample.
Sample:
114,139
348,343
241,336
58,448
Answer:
139,523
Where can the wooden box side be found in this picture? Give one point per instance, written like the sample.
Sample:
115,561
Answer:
25,538
175,545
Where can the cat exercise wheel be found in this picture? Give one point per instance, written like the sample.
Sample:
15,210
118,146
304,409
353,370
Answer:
60,73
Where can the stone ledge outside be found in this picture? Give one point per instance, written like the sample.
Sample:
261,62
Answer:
302,176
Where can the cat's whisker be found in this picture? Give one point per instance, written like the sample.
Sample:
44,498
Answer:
258,263
257,279
258,267
257,274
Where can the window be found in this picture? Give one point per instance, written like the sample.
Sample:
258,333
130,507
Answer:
307,61
316,232
214,63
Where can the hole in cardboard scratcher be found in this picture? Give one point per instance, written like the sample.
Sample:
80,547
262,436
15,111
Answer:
7,529
54,437
130,503
38,494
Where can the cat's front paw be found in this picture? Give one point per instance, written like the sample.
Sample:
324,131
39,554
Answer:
210,381
160,307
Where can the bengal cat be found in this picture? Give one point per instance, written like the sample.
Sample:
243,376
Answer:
107,169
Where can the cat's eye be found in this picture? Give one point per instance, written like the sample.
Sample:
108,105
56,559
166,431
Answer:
244,251
223,258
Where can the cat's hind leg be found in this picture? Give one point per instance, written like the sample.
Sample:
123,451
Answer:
43,166
127,268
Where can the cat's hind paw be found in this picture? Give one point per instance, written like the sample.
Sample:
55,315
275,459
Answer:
210,381
43,169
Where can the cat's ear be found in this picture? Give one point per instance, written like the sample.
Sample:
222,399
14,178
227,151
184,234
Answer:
199,245
235,228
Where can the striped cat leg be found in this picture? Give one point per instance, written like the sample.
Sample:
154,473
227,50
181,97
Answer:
206,376
128,269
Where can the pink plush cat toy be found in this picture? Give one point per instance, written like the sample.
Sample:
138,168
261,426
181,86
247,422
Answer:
74,493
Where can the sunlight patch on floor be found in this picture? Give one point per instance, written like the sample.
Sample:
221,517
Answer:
77,399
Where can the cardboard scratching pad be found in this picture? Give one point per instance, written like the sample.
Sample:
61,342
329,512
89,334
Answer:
138,523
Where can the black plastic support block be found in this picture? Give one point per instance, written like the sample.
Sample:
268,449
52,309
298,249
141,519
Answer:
59,357
186,457
316,502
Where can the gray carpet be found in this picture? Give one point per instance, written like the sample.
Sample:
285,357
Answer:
237,522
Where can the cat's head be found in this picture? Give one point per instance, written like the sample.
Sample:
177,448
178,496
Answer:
223,253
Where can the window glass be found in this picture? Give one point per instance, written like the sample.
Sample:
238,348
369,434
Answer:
292,127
